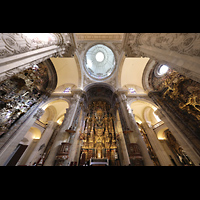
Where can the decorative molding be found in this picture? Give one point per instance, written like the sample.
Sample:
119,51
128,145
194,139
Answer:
118,47
16,43
183,43
95,36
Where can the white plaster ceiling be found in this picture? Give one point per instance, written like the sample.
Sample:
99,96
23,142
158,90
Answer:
132,71
69,74
67,71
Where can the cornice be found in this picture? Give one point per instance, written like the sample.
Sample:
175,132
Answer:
97,37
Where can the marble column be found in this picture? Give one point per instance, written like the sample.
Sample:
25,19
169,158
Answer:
134,136
75,141
123,152
157,146
38,151
62,135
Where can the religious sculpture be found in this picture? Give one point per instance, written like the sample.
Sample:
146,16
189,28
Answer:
99,139
182,95
178,151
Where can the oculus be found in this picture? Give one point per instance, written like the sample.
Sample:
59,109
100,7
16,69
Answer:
163,69
99,61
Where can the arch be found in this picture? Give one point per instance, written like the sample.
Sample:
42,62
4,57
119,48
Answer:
36,133
151,68
92,85
138,119
150,116
55,107
161,134
32,133
143,100
60,119
51,100
49,114
99,91
144,109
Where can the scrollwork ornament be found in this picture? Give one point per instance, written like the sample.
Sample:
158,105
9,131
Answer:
183,43
10,43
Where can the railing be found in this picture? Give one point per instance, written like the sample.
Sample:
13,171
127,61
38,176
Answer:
157,125
38,122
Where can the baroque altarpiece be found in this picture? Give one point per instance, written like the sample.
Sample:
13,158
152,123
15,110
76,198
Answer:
99,137
20,92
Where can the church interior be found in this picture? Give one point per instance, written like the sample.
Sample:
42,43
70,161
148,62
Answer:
100,99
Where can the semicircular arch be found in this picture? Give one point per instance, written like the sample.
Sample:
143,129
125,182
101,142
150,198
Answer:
144,110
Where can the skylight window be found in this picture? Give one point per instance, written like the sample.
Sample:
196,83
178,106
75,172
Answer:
99,56
99,61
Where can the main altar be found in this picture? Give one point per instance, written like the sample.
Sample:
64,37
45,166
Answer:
98,136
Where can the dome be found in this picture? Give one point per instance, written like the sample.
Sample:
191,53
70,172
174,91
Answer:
99,61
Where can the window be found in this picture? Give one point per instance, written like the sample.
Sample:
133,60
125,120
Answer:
99,56
163,69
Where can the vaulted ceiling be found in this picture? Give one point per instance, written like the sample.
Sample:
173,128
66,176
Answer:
69,70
